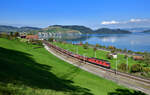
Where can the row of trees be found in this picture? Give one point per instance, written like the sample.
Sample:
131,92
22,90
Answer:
10,35
135,68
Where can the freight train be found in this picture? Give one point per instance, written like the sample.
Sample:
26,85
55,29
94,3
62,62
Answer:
92,60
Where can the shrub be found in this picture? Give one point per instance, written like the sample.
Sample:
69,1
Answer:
147,59
109,56
16,34
97,45
85,46
146,70
136,68
123,67
50,39
125,56
113,51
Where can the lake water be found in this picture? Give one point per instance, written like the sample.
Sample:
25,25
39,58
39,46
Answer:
134,41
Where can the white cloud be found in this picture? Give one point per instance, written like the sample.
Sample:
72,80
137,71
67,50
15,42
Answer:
133,20
137,20
109,22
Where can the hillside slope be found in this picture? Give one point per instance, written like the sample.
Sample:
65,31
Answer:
111,31
146,31
5,28
26,70
57,29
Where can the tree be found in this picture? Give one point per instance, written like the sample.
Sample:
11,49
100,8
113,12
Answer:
51,39
146,70
97,45
109,56
147,59
16,34
113,51
11,34
111,47
85,46
136,68
125,50
123,67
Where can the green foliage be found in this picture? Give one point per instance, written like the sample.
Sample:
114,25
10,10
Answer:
32,71
136,68
126,56
109,56
16,34
113,51
100,54
94,49
4,28
4,35
125,50
97,45
147,59
146,69
85,46
51,39
54,29
123,67
111,31
82,29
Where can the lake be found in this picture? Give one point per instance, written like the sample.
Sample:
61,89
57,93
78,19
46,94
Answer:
134,41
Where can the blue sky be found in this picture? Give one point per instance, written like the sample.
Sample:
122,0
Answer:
92,13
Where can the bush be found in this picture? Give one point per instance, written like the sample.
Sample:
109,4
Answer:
85,46
109,56
50,39
113,51
136,68
146,70
125,56
97,45
123,67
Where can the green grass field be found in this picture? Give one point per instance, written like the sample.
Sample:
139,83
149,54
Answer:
99,54
25,70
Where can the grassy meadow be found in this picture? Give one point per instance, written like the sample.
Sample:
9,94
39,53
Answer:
28,70
101,54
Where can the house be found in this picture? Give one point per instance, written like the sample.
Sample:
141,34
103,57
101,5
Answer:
138,57
32,37
23,34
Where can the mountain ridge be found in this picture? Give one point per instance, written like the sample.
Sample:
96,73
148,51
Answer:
63,29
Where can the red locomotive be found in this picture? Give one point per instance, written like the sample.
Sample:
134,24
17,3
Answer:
96,61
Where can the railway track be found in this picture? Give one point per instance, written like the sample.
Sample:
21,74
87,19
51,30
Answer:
143,82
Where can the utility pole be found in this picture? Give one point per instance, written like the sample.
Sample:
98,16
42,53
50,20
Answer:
84,58
127,64
116,65
77,49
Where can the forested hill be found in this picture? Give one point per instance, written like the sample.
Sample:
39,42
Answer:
111,31
4,28
147,31
63,29
82,29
